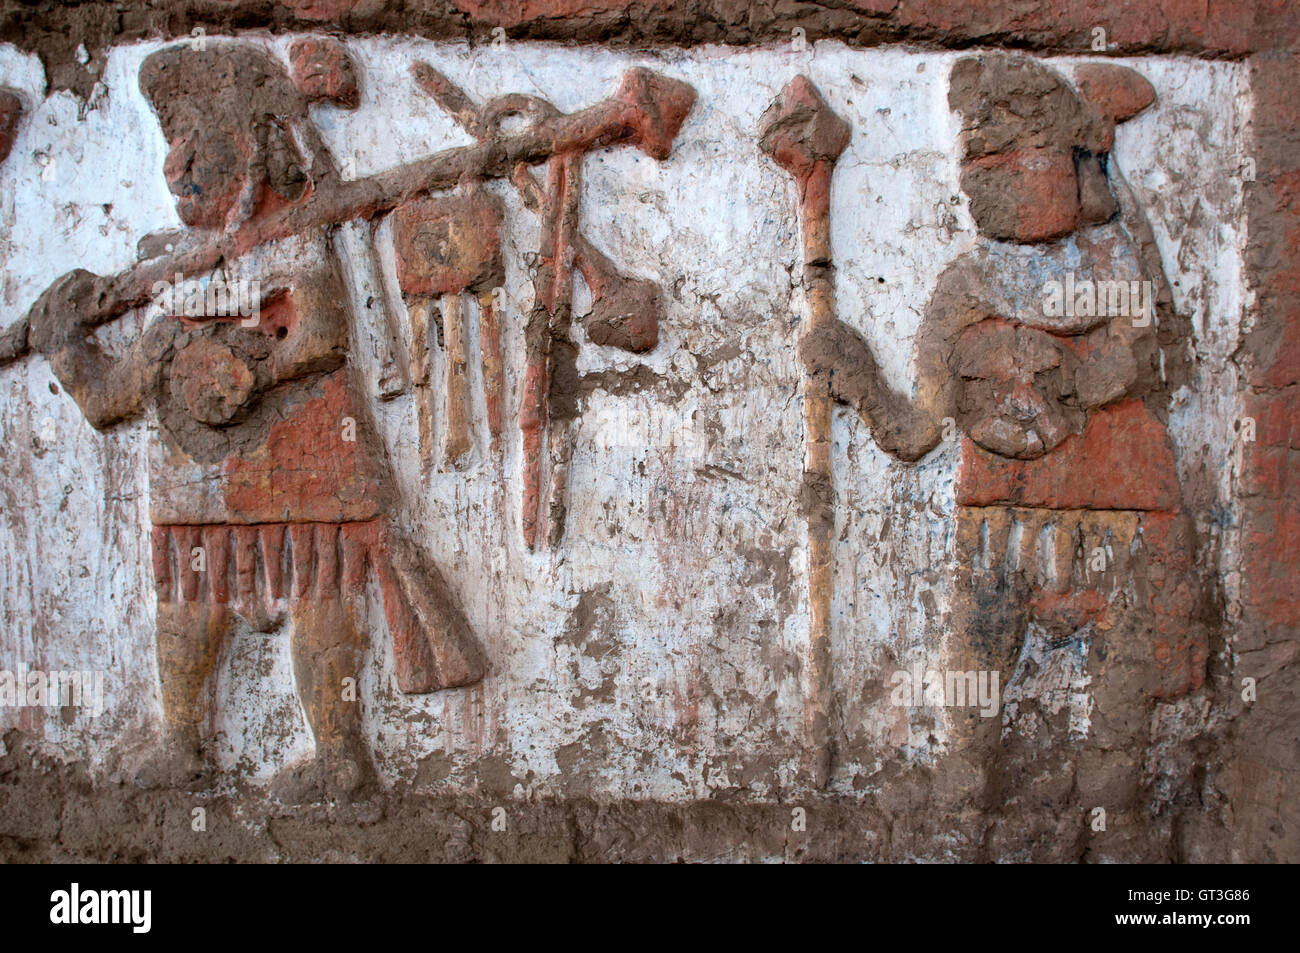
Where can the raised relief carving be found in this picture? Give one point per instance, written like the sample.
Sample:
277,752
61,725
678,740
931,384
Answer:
1040,347
448,247
1044,354
271,495
804,137
625,312
269,491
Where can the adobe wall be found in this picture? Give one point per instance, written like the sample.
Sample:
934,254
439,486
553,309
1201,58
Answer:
615,462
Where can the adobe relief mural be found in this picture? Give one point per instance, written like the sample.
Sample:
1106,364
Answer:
527,422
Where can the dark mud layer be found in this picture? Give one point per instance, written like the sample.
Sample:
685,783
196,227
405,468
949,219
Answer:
54,812
56,28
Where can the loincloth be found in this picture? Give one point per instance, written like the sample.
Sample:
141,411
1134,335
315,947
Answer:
265,562
260,569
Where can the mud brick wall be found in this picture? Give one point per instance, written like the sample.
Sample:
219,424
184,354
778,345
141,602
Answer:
655,430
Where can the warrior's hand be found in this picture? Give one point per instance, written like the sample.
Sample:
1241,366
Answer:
834,354
64,314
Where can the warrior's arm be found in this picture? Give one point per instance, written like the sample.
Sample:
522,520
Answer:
108,389
903,428
907,428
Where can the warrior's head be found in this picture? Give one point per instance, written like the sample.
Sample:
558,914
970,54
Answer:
1035,150
1036,167
236,120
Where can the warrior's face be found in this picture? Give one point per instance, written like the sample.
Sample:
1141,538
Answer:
1035,195
208,172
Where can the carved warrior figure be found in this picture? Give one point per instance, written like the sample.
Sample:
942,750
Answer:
1069,517
270,493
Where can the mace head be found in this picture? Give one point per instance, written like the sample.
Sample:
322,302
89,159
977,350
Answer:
658,107
800,130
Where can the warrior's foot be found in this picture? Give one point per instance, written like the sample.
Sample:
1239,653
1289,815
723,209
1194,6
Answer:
176,765
299,783
342,775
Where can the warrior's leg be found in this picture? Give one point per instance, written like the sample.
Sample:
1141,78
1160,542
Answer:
191,636
1152,651
982,644
990,619
328,649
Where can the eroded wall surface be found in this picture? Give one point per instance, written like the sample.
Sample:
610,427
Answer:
657,641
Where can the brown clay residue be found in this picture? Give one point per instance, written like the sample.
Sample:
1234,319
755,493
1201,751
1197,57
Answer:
315,466
55,30
11,111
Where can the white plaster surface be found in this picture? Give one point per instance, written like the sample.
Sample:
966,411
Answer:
684,542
